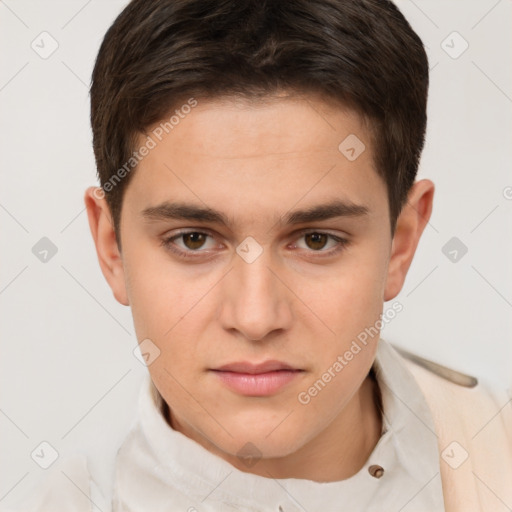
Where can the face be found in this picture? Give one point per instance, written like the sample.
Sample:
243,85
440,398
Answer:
249,236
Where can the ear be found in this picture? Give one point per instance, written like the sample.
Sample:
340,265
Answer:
410,225
103,234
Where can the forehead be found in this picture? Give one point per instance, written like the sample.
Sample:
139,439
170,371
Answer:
278,124
279,152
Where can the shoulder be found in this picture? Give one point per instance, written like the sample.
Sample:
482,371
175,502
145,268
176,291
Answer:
455,394
464,407
473,425
448,384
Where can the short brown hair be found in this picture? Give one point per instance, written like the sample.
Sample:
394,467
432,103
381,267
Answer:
362,54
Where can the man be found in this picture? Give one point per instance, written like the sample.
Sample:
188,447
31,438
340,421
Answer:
258,205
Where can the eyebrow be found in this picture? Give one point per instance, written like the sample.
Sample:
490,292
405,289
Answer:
192,212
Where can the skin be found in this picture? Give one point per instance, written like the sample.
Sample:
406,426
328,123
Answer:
255,162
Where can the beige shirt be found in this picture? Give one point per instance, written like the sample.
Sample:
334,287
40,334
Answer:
159,469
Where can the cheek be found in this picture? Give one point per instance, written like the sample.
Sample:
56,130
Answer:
351,306
171,310
353,298
157,290
154,294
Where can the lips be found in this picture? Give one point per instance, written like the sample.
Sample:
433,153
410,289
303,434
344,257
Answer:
258,380
254,369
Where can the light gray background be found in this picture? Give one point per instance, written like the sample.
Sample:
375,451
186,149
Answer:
68,375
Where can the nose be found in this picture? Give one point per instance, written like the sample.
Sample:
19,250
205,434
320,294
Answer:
255,301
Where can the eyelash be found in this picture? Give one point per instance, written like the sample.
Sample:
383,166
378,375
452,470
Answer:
168,244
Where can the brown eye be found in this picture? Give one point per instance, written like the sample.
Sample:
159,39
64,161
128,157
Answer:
316,241
320,244
194,240
189,244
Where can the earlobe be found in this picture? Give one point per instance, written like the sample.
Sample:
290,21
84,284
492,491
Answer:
409,228
107,250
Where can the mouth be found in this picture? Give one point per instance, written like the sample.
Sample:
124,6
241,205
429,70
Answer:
261,379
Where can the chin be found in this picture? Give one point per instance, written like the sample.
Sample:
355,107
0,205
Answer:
257,443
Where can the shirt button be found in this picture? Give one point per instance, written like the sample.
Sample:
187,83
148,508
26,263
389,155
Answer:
376,471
